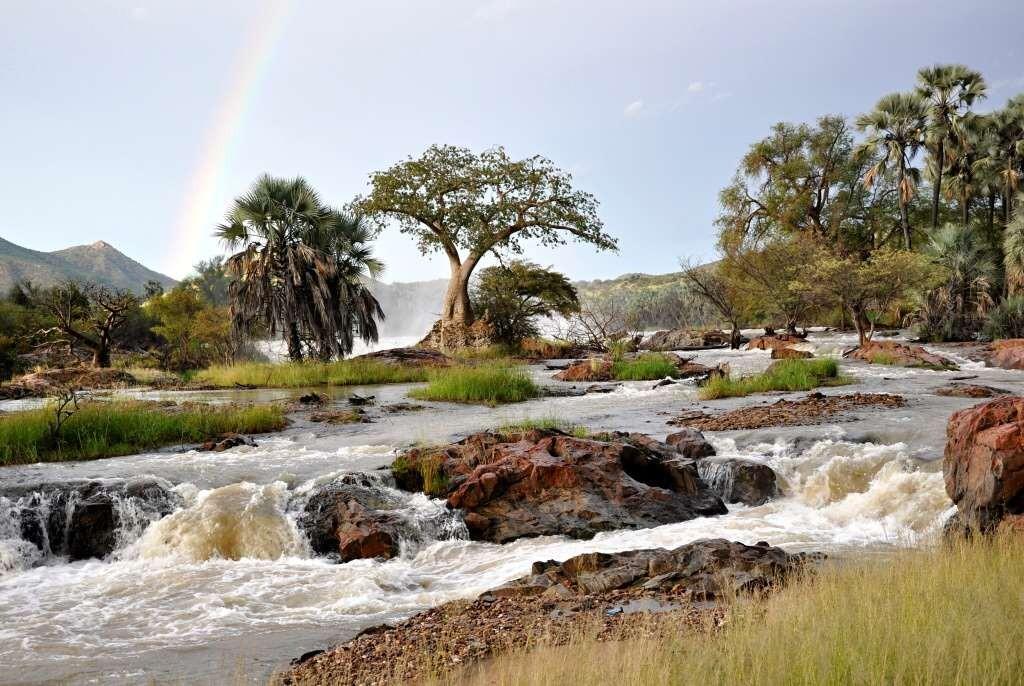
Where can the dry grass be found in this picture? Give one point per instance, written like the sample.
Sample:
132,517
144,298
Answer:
946,616
354,372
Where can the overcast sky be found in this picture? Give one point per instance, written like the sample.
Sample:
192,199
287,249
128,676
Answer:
137,121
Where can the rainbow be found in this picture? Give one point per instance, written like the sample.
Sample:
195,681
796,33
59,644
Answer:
204,190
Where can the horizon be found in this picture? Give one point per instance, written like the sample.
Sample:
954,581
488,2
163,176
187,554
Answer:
174,117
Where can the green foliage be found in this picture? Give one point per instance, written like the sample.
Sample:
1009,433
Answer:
107,429
487,384
193,334
543,423
211,281
424,473
354,372
645,367
1006,320
514,296
782,375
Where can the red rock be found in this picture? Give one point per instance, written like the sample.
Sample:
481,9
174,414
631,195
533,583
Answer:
790,354
900,355
1008,353
781,340
983,466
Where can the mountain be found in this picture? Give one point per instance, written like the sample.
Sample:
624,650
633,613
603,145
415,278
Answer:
99,262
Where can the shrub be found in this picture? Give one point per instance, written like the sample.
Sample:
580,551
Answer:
488,384
1006,320
782,375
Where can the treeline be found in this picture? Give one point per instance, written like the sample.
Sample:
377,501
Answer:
909,214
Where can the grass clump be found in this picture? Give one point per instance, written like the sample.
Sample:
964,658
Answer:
646,367
941,616
542,423
421,471
107,429
354,372
487,384
882,358
782,375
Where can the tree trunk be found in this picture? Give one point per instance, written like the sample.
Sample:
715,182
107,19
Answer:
904,218
991,211
294,343
965,210
860,322
101,356
734,336
456,306
938,182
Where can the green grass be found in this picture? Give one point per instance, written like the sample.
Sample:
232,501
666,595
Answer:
304,374
783,375
107,429
883,358
646,367
491,383
423,474
940,616
534,423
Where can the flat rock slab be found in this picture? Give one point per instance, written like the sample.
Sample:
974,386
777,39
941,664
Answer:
814,409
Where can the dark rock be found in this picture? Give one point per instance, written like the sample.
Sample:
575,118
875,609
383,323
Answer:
353,519
413,357
226,442
739,481
602,387
961,390
900,355
359,400
690,443
312,399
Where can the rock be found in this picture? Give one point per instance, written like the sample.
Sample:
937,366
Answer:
546,482
790,354
900,355
739,481
983,465
781,340
664,382
226,442
313,399
708,568
602,388
353,520
1008,353
594,369
962,390
55,381
411,357
394,408
354,416
458,336
359,400
690,443
684,339
87,519
814,409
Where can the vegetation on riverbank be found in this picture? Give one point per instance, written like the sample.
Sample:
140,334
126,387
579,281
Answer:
645,367
783,375
100,429
954,612
355,372
542,423
488,384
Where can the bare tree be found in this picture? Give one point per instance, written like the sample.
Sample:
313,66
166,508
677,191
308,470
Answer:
721,294
88,315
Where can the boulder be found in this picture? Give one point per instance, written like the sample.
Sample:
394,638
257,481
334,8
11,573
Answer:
546,482
226,442
964,390
791,354
684,339
459,336
900,355
739,481
690,443
594,369
707,568
1008,353
781,340
983,465
352,519
411,357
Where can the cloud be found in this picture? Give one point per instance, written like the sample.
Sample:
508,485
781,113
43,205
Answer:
634,108
695,86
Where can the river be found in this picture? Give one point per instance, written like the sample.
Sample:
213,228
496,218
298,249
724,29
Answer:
225,589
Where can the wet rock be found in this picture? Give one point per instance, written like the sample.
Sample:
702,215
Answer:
414,357
353,518
900,355
983,465
313,399
594,369
664,382
814,409
739,481
707,568
1007,353
226,442
88,519
684,339
354,416
395,408
690,443
791,354
771,342
602,387
359,400
546,482
962,390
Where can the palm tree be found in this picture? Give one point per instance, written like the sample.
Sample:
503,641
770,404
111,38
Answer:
896,129
966,148
299,267
950,90
956,309
1013,249
1007,151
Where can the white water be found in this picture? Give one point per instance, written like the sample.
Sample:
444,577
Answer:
228,579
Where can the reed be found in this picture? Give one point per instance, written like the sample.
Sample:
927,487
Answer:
492,383
783,375
354,372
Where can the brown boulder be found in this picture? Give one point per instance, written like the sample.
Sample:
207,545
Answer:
708,568
594,369
546,482
900,355
790,354
963,390
690,443
983,466
352,519
1008,353
410,357
782,340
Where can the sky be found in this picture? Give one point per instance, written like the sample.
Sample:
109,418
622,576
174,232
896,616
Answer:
137,121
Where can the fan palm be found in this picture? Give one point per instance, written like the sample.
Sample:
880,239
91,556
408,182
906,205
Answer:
896,129
950,90
299,268
1007,151
955,310
1013,249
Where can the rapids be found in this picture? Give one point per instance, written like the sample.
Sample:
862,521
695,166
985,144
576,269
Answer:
225,587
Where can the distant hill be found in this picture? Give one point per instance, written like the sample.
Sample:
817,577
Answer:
99,263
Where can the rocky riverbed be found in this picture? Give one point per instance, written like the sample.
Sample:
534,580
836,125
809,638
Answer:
241,560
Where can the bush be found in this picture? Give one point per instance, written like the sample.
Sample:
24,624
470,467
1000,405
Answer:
107,429
488,384
1006,320
783,375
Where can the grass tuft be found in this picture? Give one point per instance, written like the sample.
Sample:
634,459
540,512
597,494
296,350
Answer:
108,429
937,616
303,374
783,375
646,367
535,423
488,384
